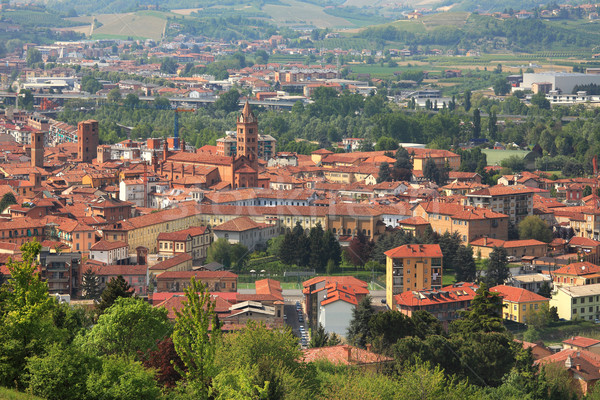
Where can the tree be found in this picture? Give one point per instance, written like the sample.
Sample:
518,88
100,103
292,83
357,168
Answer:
386,143
90,285
386,328
90,84
123,379
162,103
7,200
333,250
493,126
464,264
33,56
501,87
533,227
163,360
403,166
168,66
359,329
61,374
587,191
545,290
539,99
131,100
476,123
319,337
484,315
467,102
497,272
360,248
433,173
116,287
384,173
318,251
130,327
114,95
228,101
195,346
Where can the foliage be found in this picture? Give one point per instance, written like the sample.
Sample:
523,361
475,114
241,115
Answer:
319,337
164,359
116,287
501,87
230,255
122,379
359,329
228,101
360,248
129,327
90,84
434,173
545,290
496,271
464,264
7,200
90,285
484,315
195,346
314,250
533,227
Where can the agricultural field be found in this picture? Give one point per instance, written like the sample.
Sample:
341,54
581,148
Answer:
495,157
139,25
298,13
457,19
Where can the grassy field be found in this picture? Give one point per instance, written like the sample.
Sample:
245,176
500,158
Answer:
495,157
458,19
11,394
298,13
139,25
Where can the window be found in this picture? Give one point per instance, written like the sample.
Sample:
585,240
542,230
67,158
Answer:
536,306
524,307
515,307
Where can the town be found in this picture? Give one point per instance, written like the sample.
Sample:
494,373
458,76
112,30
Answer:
290,209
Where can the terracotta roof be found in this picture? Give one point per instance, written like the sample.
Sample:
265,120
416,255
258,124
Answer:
269,287
580,268
450,294
414,221
491,242
501,190
171,262
581,341
517,295
182,234
582,362
343,354
240,224
115,270
347,280
105,245
581,241
197,274
415,250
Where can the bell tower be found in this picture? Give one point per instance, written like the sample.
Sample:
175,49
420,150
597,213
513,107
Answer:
247,134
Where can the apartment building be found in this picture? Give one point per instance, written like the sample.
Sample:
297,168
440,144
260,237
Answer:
582,302
576,274
215,281
516,201
194,241
412,267
519,304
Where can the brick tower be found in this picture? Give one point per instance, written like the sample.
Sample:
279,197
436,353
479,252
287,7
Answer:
247,134
37,149
87,140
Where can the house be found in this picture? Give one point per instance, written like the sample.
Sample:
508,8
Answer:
582,366
111,253
583,246
246,232
576,274
215,281
335,310
531,282
445,303
179,262
538,350
581,302
194,241
519,303
514,248
135,275
412,267
516,201
347,355
581,343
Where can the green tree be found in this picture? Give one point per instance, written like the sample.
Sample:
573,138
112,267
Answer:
61,374
90,285
467,100
533,227
114,95
168,66
493,126
7,200
122,379
130,327
319,337
318,249
230,255
464,264
386,143
359,328
386,328
587,191
540,101
192,340
131,100
228,101
385,173
116,287
496,272
545,290
33,56
484,315
501,87
476,123
90,84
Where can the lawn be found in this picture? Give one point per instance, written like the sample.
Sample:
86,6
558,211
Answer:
495,157
448,278
11,394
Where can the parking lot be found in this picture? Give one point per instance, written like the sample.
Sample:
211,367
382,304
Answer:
296,320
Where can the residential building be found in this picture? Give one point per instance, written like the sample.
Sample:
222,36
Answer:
576,274
582,366
110,253
531,282
412,267
514,248
519,304
135,275
245,231
193,241
180,262
516,201
87,140
215,281
61,271
335,310
445,303
581,302
581,343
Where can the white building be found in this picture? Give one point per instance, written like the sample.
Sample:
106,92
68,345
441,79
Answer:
132,190
246,232
110,253
562,81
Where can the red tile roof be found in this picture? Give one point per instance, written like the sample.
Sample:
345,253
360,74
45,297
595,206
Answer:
196,274
240,224
450,294
105,245
506,243
501,190
581,341
171,262
343,354
517,295
579,269
269,287
588,362
584,242
415,250
183,234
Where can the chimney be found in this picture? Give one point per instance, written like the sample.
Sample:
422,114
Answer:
182,146
165,150
182,170
485,240
349,353
578,367
369,347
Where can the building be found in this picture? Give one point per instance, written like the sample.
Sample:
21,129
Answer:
581,343
315,292
215,281
519,304
347,355
61,271
412,267
227,146
441,158
581,302
531,282
516,201
445,303
87,140
563,82
514,248
194,241
335,310
37,149
135,275
582,366
576,274
246,232
110,253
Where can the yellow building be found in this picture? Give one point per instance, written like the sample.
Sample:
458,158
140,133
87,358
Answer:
582,302
412,267
519,303
441,158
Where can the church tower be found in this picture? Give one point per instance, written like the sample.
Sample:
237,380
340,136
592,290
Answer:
247,134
